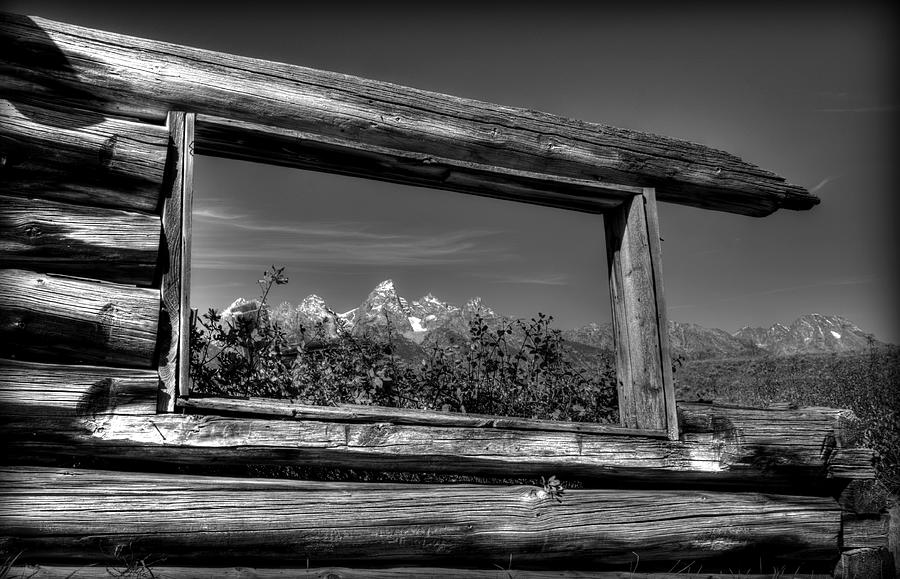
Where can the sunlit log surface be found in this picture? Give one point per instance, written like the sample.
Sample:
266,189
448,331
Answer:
93,515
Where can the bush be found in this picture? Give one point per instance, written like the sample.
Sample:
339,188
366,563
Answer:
515,368
236,358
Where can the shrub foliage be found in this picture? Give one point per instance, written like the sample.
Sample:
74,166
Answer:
516,368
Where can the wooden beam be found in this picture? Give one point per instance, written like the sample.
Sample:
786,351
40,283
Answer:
780,449
291,148
499,572
274,407
99,515
55,237
80,156
638,315
176,220
60,319
145,79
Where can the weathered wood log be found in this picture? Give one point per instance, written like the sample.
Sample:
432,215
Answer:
864,531
850,463
54,318
645,400
174,359
276,407
123,75
780,450
91,515
163,571
54,237
247,141
32,390
80,156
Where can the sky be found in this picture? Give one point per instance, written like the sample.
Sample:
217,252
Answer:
807,90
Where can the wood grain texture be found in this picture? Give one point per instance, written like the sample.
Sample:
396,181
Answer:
53,237
164,571
143,78
60,319
276,407
864,531
184,256
175,288
641,388
654,242
30,390
91,515
80,156
784,450
291,148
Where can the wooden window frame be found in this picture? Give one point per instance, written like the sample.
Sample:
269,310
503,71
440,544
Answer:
645,383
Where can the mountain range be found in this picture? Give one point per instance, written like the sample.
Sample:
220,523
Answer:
418,323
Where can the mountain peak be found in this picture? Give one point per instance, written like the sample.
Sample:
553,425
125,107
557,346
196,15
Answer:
312,301
810,333
476,304
387,286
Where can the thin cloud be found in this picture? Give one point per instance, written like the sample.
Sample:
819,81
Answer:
881,109
789,289
213,215
556,279
824,182
350,248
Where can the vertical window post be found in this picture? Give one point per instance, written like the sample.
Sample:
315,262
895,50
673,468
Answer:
643,362
174,356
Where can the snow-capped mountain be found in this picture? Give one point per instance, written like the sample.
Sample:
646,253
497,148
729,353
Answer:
431,320
428,313
689,341
242,310
811,333
381,307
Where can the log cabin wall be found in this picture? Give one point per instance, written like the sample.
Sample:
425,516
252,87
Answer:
94,204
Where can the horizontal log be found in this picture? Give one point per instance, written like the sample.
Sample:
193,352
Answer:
28,389
864,531
282,408
54,318
122,75
247,141
80,156
778,450
169,572
851,463
96,515
53,237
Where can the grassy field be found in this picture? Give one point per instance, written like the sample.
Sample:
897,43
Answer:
866,382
